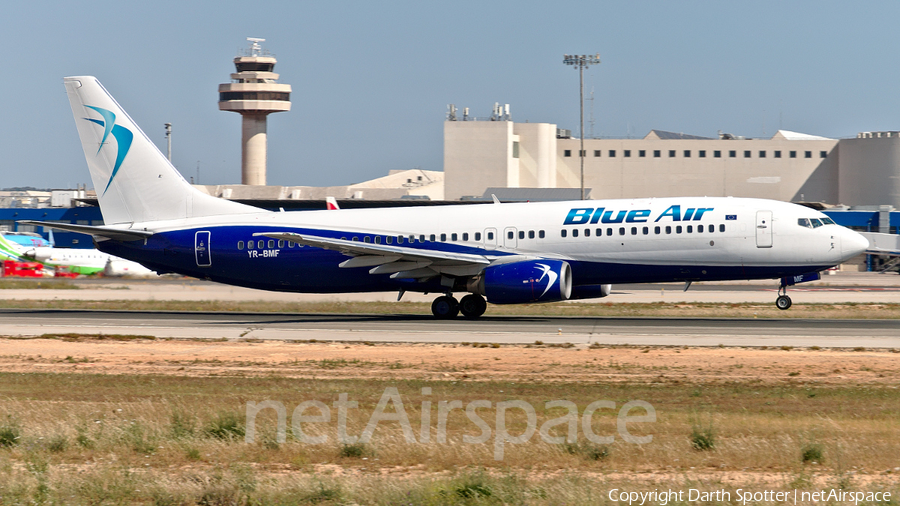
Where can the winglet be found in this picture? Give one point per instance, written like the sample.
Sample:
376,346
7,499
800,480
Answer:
496,200
331,204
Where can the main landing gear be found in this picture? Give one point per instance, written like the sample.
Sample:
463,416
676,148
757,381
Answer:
783,301
446,307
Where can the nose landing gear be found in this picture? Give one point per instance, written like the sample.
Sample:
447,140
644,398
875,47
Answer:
783,301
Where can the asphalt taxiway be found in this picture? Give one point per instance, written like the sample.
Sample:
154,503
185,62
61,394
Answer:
490,329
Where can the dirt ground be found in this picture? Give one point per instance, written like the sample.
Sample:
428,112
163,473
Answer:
452,362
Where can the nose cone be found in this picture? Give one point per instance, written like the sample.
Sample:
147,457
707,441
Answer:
852,244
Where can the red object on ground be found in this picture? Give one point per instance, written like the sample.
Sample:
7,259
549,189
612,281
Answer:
63,272
23,269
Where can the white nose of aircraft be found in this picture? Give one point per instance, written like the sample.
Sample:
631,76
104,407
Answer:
852,244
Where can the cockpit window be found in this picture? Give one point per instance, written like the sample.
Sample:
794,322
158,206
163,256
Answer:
828,221
803,222
816,223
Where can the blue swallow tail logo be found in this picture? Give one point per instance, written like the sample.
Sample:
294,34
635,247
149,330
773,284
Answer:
122,135
547,273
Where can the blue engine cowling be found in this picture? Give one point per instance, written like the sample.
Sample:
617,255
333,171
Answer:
530,281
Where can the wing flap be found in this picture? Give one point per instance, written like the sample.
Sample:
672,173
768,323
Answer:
357,249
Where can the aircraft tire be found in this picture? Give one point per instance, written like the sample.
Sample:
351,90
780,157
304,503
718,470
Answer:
445,308
472,306
783,302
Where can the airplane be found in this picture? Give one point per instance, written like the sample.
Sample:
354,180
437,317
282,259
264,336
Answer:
503,253
79,261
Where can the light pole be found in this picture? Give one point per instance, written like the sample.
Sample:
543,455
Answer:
169,141
580,62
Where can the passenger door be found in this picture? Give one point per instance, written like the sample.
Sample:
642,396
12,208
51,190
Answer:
764,229
201,249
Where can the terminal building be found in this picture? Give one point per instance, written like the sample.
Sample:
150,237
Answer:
789,166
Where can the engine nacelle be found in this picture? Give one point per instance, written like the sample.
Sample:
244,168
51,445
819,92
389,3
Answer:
529,281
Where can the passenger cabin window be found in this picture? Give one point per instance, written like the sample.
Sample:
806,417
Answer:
377,239
575,233
432,238
389,239
477,236
587,232
700,229
271,243
510,234
633,230
721,228
678,229
598,232
621,230
453,237
562,233
443,237
668,229
280,243
690,229
656,230
646,230
541,234
367,239
465,236
240,244
609,231
490,236
531,234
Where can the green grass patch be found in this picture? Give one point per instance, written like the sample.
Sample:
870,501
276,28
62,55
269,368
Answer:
37,284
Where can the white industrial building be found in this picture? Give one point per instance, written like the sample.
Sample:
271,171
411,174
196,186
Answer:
789,166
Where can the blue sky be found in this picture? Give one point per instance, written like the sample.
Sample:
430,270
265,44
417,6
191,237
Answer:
372,80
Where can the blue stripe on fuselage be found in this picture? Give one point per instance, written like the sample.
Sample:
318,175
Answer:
310,269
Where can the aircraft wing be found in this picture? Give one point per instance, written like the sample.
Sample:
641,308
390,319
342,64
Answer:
118,234
399,261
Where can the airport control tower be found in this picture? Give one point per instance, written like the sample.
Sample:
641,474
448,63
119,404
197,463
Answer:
254,93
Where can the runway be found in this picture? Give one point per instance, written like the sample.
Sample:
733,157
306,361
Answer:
581,331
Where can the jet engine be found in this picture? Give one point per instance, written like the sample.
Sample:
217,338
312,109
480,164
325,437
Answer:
529,281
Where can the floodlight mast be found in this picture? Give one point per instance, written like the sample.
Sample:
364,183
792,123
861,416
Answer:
580,62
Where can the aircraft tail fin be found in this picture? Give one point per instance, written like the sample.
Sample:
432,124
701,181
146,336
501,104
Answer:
135,183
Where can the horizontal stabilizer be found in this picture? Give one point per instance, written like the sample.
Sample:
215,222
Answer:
117,234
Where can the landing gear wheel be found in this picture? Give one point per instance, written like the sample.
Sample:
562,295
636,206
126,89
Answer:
472,306
445,308
783,302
